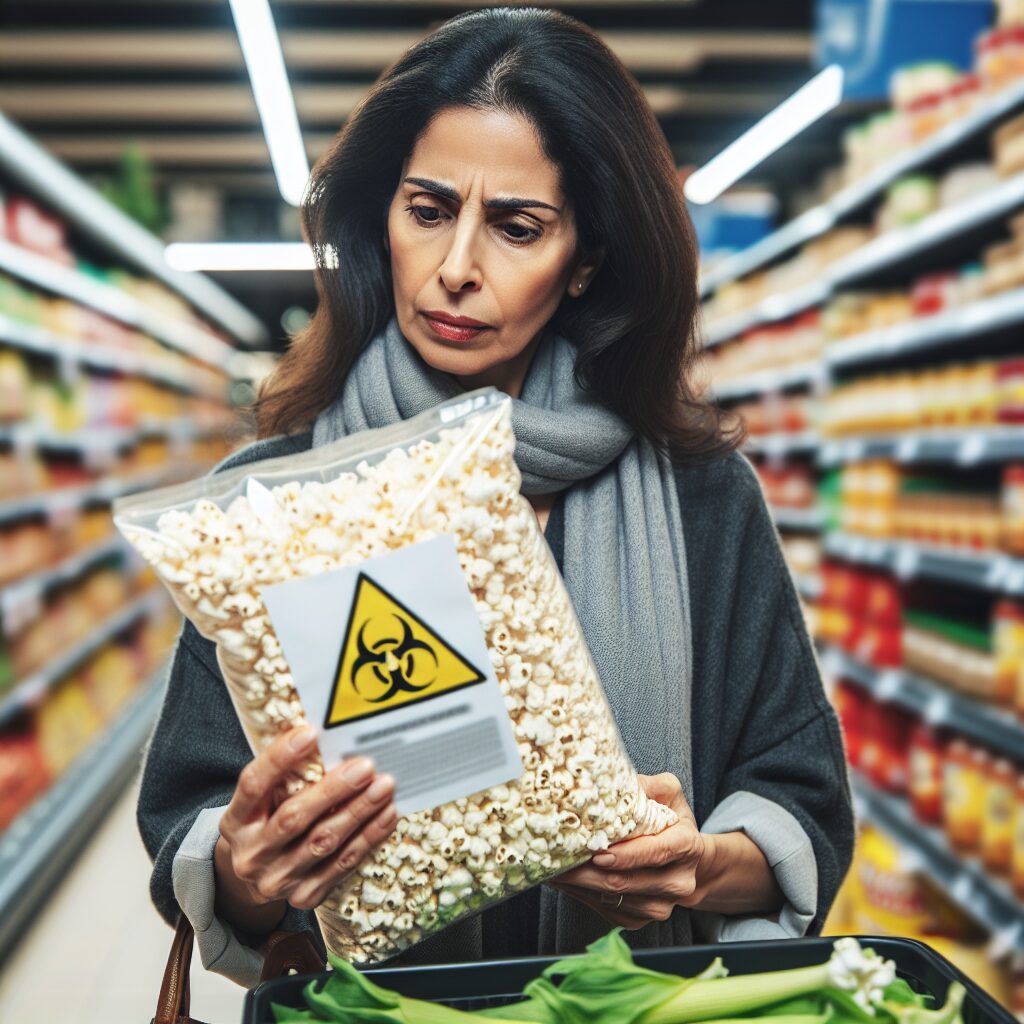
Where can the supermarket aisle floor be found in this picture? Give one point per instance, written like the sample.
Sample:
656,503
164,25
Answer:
97,951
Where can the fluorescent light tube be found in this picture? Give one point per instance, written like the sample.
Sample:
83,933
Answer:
262,51
813,100
240,256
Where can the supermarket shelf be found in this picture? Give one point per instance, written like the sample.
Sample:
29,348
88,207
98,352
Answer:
939,706
44,176
906,243
19,599
28,691
980,570
72,284
797,518
968,446
822,218
894,247
782,444
99,441
29,338
40,844
63,500
983,898
771,380
962,324
775,307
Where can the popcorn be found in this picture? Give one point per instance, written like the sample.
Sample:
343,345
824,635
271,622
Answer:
579,792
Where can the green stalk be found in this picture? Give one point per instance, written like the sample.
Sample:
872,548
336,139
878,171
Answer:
727,997
782,1018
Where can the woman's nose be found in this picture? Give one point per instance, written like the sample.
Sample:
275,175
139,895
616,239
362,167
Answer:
461,267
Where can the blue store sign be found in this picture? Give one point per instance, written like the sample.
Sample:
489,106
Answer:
870,39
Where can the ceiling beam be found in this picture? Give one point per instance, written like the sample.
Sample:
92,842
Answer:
320,105
218,150
369,51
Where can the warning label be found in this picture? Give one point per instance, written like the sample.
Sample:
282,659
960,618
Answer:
390,660
391,657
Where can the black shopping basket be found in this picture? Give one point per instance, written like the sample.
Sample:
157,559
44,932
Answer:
476,986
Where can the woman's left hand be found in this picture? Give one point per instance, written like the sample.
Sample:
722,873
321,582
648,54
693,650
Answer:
642,880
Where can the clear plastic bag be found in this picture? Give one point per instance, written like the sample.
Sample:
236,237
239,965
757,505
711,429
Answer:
216,542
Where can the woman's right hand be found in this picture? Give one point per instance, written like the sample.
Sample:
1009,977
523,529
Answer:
272,853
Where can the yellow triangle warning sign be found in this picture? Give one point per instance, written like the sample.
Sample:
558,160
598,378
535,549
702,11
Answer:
390,657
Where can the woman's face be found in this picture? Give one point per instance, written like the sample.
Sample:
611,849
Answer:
453,254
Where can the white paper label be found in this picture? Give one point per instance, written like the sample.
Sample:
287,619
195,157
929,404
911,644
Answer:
390,662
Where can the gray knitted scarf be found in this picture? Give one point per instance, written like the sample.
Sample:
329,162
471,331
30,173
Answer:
624,565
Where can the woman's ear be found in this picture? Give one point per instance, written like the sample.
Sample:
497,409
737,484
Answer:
586,269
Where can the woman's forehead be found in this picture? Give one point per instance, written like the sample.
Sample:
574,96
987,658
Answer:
463,148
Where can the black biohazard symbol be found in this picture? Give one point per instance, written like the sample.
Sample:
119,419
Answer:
392,661
390,657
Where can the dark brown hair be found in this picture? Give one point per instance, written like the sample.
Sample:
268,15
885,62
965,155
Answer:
635,328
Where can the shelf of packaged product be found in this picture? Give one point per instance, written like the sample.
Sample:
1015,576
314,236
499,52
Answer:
782,444
20,599
775,307
822,218
72,284
987,900
99,442
70,352
809,519
927,332
38,846
895,247
45,177
979,570
28,691
64,500
939,706
966,446
765,381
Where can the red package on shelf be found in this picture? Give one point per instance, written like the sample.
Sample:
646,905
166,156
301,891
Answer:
23,775
30,227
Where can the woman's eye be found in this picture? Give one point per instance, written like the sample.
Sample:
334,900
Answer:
522,235
529,234
418,211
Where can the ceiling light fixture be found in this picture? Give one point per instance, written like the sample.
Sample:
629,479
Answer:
810,102
261,49
240,256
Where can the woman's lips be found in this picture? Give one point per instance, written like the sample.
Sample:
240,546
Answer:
452,333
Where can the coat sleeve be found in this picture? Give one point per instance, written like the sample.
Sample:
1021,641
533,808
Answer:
191,765
781,773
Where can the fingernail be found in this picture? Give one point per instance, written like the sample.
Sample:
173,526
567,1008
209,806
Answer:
382,786
302,739
358,771
603,860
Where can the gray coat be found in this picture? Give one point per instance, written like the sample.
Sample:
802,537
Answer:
767,752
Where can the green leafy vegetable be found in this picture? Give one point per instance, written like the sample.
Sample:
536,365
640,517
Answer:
605,986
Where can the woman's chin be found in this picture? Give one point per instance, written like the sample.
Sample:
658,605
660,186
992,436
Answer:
453,361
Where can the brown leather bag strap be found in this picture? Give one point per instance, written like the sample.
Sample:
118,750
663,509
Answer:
175,997
291,951
285,952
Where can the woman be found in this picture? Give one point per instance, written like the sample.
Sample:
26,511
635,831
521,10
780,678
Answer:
508,170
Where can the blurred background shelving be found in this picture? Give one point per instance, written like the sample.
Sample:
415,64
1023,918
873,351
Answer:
871,343
116,375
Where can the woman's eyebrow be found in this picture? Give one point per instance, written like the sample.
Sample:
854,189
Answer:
447,192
